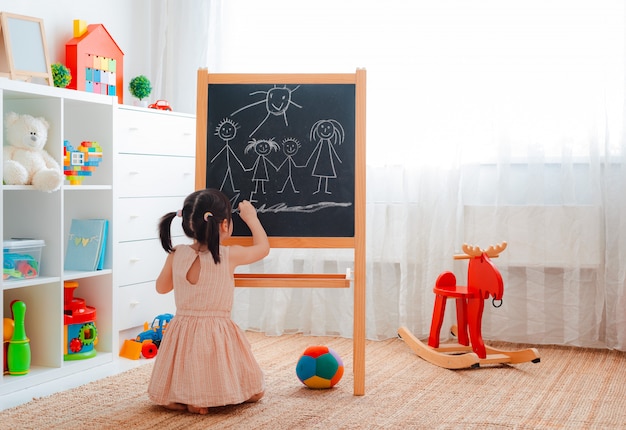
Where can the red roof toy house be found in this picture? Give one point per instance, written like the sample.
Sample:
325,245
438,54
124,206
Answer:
95,61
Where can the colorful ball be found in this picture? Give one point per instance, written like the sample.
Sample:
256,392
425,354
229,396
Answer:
8,326
319,367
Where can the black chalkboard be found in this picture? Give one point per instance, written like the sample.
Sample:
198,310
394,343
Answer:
290,150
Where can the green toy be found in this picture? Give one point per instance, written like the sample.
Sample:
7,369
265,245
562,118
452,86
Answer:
18,352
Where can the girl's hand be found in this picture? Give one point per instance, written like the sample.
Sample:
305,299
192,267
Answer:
260,244
247,212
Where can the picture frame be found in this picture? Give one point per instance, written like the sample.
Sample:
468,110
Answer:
23,49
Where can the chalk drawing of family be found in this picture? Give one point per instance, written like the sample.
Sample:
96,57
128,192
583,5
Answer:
326,134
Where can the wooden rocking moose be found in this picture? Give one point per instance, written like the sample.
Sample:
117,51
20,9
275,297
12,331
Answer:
483,281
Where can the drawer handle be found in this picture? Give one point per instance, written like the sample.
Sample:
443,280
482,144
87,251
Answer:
186,173
187,133
135,259
133,172
134,216
134,303
133,128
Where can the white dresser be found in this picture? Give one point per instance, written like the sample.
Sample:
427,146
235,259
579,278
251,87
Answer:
154,172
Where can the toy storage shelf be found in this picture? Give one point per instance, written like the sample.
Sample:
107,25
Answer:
28,213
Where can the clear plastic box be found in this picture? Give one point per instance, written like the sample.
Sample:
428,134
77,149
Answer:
21,258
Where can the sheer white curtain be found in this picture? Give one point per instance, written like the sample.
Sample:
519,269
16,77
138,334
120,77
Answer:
180,35
486,121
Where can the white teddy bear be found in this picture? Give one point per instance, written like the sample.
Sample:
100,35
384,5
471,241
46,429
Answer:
25,159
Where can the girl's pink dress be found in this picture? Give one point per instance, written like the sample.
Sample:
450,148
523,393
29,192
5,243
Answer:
205,359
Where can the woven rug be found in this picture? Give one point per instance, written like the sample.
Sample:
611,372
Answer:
571,388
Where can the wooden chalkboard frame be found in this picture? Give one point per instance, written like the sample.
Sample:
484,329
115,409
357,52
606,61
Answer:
23,48
355,242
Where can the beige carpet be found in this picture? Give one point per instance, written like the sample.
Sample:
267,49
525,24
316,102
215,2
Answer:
570,389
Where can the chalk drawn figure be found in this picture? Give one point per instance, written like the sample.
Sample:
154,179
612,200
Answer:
260,175
277,100
327,133
227,130
290,148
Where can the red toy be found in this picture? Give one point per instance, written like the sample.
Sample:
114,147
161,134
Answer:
95,61
483,280
79,320
161,105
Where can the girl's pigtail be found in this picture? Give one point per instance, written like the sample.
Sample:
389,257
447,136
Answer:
212,235
165,235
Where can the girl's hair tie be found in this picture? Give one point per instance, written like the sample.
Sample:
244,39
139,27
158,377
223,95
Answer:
207,215
179,213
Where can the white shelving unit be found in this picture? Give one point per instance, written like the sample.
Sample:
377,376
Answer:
26,212
147,170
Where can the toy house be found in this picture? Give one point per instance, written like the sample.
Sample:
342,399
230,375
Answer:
95,61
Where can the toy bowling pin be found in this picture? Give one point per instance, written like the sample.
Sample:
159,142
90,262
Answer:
18,353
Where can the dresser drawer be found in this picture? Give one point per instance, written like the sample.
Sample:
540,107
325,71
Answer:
138,217
153,175
139,261
139,303
155,132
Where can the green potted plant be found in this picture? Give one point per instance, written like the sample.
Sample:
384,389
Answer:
61,76
140,88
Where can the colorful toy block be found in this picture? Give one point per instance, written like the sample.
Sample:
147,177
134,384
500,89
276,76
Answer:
80,27
80,162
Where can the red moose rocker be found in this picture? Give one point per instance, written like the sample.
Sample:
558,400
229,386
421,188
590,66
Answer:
483,280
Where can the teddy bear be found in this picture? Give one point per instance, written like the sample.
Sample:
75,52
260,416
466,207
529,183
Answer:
26,162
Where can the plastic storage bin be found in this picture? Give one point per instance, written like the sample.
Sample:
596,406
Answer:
21,258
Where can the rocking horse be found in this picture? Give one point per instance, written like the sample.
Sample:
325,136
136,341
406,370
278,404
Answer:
483,280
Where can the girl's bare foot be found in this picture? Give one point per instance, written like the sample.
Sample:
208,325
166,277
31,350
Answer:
197,410
255,398
175,406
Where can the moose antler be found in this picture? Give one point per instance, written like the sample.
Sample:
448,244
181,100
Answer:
494,250
474,251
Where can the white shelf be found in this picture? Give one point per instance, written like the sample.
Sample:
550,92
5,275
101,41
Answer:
79,188
69,275
26,212
124,190
40,280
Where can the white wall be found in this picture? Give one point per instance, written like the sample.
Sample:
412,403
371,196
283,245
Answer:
126,21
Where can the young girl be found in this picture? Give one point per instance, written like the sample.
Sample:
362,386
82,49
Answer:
205,360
